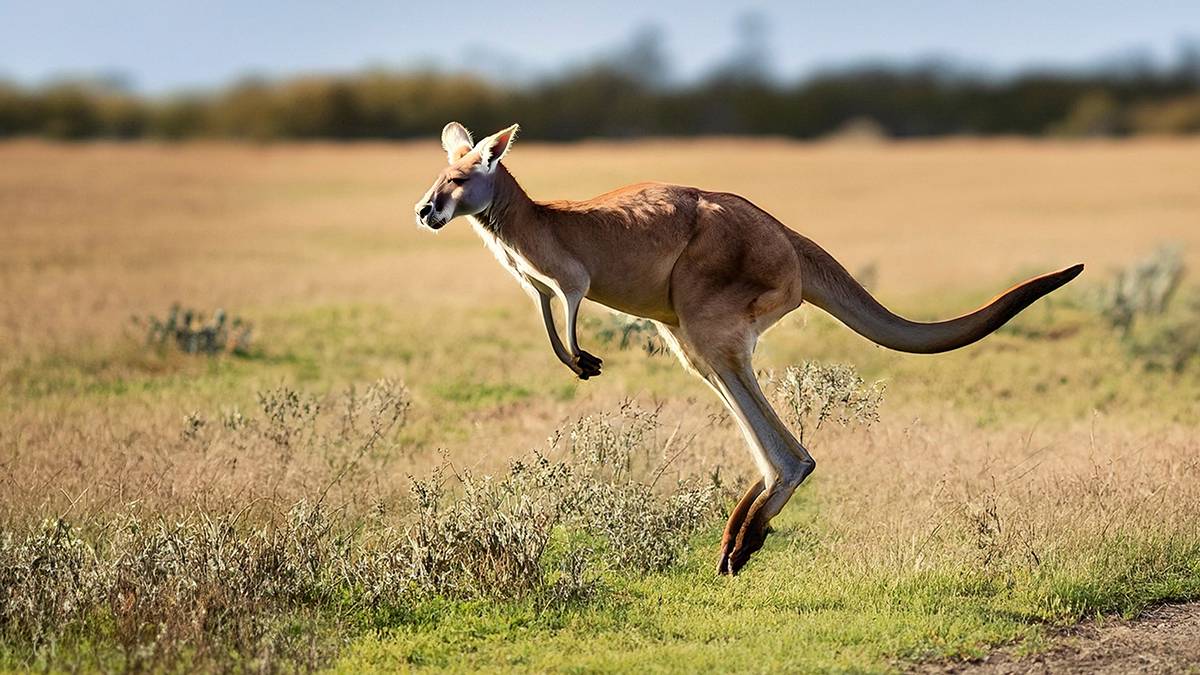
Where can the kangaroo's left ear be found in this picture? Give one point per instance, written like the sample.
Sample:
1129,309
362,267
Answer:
456,141
493,148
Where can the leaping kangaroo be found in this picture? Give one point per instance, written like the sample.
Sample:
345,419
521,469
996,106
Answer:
711,269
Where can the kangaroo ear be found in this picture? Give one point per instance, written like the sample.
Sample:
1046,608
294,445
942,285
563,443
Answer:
493,148
456,141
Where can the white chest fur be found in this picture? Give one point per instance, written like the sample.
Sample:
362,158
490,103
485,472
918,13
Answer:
511,259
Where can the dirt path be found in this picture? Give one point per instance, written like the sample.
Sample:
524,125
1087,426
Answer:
1163,640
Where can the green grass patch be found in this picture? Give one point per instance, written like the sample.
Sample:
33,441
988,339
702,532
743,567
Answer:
800,606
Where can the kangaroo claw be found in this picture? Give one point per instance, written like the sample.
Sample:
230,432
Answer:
589,365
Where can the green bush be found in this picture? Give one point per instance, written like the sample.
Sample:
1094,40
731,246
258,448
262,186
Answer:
1144,289
193,332
814,393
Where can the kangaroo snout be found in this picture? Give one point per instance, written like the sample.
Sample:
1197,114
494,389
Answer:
425,217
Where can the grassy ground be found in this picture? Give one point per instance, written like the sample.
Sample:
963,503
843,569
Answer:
1042,476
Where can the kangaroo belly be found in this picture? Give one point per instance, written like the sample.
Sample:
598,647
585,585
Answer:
645,293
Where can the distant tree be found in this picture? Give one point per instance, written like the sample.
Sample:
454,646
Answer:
630,92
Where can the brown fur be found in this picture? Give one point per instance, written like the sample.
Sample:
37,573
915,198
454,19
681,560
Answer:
715,272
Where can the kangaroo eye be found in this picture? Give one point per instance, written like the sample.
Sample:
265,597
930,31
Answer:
458,181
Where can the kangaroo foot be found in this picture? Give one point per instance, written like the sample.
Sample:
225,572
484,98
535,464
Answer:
749,540
732,529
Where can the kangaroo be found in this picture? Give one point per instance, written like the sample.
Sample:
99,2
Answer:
710,269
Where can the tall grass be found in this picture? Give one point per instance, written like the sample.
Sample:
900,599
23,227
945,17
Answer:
280,587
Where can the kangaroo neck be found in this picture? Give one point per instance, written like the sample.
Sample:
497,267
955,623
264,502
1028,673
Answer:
511,209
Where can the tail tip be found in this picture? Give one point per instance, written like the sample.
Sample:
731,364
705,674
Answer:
1072,272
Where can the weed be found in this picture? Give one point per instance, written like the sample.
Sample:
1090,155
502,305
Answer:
193,332
341,430
1143,289
596,481
629,332
616,464
813,393
1168,343
47,581
1139,305
487,541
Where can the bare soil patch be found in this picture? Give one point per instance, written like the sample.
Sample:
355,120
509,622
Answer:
1163,640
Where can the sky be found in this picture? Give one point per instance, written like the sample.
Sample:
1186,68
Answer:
172,45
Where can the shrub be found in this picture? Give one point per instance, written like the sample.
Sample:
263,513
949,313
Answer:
490,539
596,482
1140,305
1143,289
629,332
287,419
1168,343
192,332
813,393
47,581
160,591
616,464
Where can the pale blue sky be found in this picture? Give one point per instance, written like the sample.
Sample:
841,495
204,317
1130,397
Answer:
166,45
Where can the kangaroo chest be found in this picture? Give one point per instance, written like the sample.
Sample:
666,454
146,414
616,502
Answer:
511,259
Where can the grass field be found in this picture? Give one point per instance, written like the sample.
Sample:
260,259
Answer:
257,511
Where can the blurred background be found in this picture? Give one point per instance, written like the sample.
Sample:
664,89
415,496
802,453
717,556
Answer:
279,70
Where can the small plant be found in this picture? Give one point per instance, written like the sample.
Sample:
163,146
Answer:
629,332
812,393
597,483
1143,289
342,429
487,541
616,461
575,584
287,416
199,588
47,581
193,332
1168,343
1141,306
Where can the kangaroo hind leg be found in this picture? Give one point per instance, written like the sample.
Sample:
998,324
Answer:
784,462
724,363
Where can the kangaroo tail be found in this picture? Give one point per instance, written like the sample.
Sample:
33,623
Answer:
826,284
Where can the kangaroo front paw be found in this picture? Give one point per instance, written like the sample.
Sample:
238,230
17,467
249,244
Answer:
587,365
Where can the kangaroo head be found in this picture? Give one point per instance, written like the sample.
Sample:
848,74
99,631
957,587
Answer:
467,185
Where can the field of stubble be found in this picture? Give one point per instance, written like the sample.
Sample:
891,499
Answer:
343,494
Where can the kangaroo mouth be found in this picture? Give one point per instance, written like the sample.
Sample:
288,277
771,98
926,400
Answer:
431,223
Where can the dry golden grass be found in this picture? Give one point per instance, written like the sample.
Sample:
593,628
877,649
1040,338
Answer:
1026,478
89,233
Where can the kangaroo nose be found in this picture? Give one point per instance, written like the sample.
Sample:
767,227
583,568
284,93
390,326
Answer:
425,209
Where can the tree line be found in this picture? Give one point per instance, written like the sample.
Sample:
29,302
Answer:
623,98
